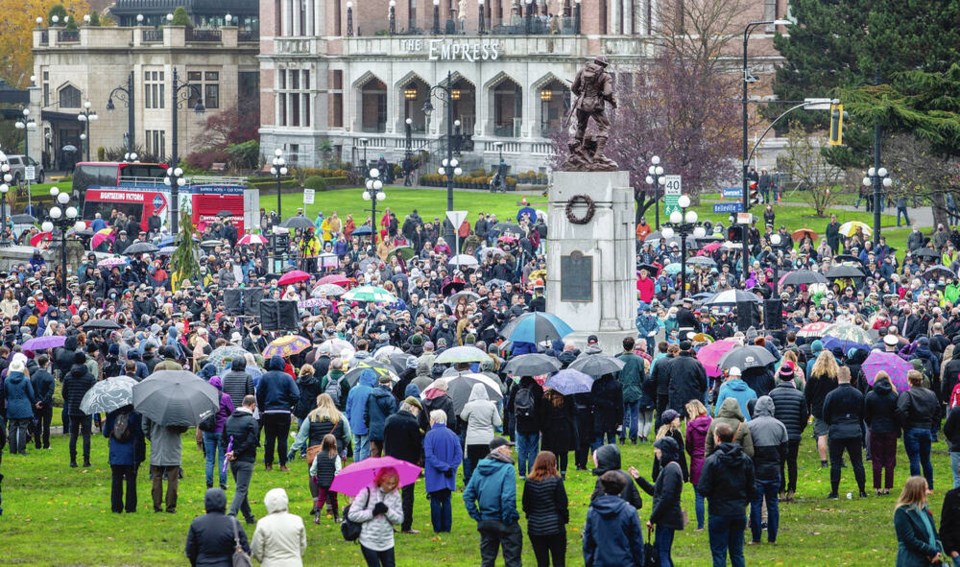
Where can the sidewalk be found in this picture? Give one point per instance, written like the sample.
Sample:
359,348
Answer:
922,217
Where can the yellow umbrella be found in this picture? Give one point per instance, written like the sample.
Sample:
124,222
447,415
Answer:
849,228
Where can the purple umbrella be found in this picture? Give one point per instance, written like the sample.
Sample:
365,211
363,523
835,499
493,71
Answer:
570,381
890,363
43,343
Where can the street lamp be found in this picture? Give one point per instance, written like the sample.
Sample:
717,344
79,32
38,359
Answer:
879,178
125,94
501,178
278,170
746,80
4,188
180,93
444,92
683,223
62,217
174,180
436,17
392,14
87,116
408,125
131,157
26,124
374,193
655,177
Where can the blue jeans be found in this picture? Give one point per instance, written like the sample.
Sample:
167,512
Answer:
916,442
954,464
698,498
527,448
726,535
441,512
663,544
361,447
770,490
216,455
611,438
631,418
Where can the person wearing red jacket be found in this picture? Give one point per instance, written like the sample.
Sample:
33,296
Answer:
645,287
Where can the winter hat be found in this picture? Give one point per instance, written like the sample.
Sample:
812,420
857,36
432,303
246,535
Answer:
416,340
816,346
113,350
413,402
17,366
786,371
669,415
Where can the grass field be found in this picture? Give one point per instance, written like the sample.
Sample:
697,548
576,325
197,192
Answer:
55,515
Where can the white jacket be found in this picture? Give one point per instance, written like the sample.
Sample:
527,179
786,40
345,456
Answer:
481,416
280,538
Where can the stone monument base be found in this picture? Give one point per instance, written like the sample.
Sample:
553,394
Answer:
591,256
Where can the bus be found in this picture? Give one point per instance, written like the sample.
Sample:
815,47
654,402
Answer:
138,190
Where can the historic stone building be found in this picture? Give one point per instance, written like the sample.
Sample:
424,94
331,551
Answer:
76,67
344,78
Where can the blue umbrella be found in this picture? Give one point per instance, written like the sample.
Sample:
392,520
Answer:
844,344
569,381
536,327
674,269
530,211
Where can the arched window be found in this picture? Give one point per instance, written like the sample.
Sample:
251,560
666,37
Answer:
69,97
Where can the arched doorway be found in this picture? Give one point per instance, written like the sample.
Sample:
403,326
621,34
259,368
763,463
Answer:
554,99
373,106
507,108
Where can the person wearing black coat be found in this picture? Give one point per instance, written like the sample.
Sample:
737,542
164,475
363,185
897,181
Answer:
607,458
843,413
918,412
607,396
43,387
792,411
951,430
546,506
950,523
760,380
688,379
558,422
879,413
666,514
403,440
659,382
210,541
728,483
75,385
241,435
309,385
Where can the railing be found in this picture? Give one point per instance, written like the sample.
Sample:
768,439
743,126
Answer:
203,35
153,36
68,36
248,35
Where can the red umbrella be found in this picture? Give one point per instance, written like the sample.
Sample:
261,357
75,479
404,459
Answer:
334,279
712,247
36,239
292,277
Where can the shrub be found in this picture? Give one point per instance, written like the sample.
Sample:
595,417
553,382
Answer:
181,18
204,159
315,182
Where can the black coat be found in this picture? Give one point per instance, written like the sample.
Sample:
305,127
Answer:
545,505
918,407
843,412
880,408
666,494
210,540
951,429
727,481
309,390
402,438
559,426
245,433
950,520
688,381
790,408
75,385
607,397
815,391
43,386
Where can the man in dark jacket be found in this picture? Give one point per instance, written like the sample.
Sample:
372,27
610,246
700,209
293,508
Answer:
612,533
380,405
43,387
241,435
918,411
631,380
237,383
660,376
491,500
403,440
210,539
607,397
688,379
275,396
728,483
666,514
843,413
950,522
769,451
791,409
75,385
525,405
607,459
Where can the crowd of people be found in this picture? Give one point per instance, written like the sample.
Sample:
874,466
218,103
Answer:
369,385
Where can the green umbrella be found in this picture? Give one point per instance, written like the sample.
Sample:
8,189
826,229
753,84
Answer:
370,294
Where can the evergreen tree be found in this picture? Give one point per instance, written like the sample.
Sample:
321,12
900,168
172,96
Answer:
184,260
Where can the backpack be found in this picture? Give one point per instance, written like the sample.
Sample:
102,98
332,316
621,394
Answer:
333,390
208,423
349,529
523,403
121,428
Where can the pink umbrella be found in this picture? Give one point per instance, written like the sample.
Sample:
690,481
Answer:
712,247
890,363
292,277
354,478
710,355
252,239
36,239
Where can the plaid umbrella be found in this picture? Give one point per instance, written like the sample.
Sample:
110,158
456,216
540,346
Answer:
286,346
330,290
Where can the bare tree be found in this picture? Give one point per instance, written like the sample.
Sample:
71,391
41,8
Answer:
919,173
699,31
811,171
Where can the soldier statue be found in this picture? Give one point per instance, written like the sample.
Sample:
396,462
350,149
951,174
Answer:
593,88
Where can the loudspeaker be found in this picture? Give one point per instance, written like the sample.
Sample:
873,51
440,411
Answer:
251,301
278,315
232,302
747,315
773,314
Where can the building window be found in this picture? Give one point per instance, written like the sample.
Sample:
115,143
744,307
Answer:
337,100
770,14
294,98
207,83
69,97
156,142
46,88
154,90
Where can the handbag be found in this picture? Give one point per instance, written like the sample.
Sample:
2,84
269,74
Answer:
312,452
349,529
240,557
650,556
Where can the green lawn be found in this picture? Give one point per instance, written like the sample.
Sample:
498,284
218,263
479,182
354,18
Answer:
54,515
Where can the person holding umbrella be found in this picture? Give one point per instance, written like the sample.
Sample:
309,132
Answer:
127,451
378,508
166,455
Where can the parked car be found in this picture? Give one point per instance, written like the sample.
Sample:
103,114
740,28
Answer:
18,168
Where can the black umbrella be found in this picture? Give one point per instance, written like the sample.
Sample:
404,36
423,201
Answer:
23,219
926,253
379,368
175,398
597,364
225,214
101,324
843,272
652,270
803,277
939,271
140,248
532,365
300,222
505,227
744,357
847,258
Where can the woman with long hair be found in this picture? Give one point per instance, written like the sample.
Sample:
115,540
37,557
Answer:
698,423
545,504
918,543
822,381
879,413
325,420
559,427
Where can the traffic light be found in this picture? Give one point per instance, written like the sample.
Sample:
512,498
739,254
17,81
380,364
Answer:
755,197
836,124
735,233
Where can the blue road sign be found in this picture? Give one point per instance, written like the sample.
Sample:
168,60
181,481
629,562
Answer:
727,208
732,192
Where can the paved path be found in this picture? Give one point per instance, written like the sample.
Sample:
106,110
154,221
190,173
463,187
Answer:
922,217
